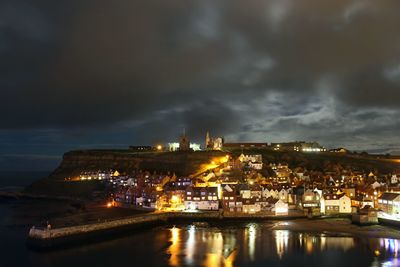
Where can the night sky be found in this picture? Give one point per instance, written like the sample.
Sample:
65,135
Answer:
100,73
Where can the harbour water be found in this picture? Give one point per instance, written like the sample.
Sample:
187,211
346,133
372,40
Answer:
231,244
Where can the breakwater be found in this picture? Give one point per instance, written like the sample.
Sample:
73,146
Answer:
51,238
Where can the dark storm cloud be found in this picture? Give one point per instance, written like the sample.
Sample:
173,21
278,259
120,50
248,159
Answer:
257,70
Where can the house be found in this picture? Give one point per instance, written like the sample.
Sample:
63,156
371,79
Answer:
201,198
350,191
255,191
335,204
274,193
244,190
283,195
266,193
250,158
394,179
375,185
231,202
252,161
361,201
256,165
150,197
250,206
389,203
263,204
311,203
365,216
311,199
279,207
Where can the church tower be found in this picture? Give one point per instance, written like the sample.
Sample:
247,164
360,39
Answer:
184,143
208,140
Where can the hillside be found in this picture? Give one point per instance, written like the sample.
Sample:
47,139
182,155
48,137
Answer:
327,160
74,162
186,163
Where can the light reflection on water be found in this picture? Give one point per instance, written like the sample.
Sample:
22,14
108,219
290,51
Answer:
252,243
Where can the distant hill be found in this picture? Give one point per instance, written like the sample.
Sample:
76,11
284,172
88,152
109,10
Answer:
320,161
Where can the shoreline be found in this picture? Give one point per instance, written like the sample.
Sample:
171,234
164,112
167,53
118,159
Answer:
39,239
27,214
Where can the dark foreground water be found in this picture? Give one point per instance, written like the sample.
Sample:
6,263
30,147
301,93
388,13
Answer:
15,181
236,244
244,244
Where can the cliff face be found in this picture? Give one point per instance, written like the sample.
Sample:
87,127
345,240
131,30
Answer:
74,162
182,163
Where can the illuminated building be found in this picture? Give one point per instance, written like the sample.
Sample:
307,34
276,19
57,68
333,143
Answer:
311,202
141,148
201,198
389,203
300,146
335,204
366,215
213,143
230,201
245,145
176,146
253,161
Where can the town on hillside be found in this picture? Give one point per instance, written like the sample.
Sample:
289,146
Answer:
250,184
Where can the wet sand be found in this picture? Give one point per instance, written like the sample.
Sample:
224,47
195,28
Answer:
337,227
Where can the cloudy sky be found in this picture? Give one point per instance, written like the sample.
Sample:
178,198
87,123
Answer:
96,74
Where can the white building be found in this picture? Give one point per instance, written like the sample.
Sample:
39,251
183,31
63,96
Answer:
256,165
283,195
335,204
201,198
394,179
175,146
280,207
266,193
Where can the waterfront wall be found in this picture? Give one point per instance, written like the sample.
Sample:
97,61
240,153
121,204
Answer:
147,218
46,238
82,229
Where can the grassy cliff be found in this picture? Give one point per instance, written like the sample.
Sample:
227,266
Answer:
74,162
